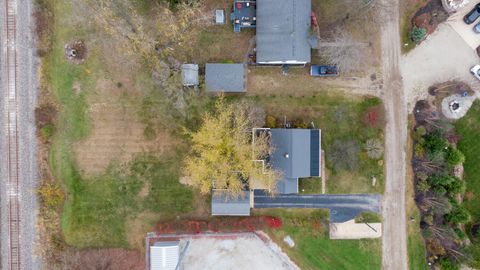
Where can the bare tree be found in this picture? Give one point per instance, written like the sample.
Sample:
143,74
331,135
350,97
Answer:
374,148
343,155
343,51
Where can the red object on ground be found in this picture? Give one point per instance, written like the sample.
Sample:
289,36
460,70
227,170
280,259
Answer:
239,5
314,19
372,117
224,224
273,222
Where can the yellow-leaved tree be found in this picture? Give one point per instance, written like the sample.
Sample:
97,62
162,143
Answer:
223,156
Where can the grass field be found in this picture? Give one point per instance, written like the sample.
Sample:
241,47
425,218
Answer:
103,209
469,130
416,244
314,250
340,119
97,208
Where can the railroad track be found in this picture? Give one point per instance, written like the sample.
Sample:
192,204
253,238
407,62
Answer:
12,134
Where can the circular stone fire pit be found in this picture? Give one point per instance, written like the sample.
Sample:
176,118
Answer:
76,51
456,106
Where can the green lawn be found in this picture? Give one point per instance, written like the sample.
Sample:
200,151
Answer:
416,245
97,208
341,119
311,185
469,130
313,248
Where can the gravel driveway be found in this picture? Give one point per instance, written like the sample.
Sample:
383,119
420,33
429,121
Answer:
443,56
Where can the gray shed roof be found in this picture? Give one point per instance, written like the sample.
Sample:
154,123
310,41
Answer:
283,30
189,74
223,205
296,152
225,77
219,16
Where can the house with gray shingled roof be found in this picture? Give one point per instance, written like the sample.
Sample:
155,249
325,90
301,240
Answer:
283,31
296,154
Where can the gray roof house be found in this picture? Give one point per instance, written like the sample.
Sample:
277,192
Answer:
283,31
189,74
228,78
222,205
164,255
296,154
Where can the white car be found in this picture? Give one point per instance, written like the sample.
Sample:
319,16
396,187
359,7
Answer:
476,71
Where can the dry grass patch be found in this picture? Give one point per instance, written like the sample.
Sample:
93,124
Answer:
117,134
138,226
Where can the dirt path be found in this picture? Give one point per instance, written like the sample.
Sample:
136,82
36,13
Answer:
394,226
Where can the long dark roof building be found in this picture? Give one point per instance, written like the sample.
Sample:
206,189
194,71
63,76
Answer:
283,31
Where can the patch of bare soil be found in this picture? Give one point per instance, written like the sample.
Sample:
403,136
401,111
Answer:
299,83
112,258
117,134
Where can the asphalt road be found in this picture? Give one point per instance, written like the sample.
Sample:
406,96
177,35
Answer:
26,91
342,207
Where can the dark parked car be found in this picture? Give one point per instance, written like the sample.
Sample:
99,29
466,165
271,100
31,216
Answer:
476,28
323,71
472,15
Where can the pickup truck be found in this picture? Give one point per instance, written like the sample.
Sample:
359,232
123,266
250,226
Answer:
323,71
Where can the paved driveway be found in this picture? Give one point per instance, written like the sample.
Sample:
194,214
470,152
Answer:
342,207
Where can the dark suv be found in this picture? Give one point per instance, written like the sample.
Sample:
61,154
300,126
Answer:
472,15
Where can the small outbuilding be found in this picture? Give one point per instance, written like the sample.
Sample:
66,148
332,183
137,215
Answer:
164,255
228,78
190,75
219,16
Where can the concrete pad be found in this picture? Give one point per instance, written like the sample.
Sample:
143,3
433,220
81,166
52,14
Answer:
465,30
352,230
244,251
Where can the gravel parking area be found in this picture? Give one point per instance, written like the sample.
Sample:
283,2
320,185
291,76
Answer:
465,30
443,56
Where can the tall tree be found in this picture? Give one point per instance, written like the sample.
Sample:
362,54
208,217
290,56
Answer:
223,156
